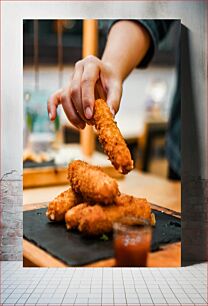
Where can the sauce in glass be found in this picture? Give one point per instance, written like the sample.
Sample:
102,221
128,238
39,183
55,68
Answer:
132,242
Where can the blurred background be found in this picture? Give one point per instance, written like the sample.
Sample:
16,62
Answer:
51,48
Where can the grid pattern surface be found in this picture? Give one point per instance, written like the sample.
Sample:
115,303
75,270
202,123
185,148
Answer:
103,286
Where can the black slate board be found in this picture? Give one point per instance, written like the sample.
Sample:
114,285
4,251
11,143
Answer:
77,250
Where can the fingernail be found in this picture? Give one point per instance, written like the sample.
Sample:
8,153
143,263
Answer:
50,116
88,112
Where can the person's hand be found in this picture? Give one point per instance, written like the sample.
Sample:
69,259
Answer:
78,97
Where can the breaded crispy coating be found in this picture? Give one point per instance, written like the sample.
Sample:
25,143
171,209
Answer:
75,215
63,202
96,219
92,183
110,137
89,219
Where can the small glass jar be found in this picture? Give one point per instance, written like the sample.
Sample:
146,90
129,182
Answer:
132,241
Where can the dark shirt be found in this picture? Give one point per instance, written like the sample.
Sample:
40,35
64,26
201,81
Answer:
158,30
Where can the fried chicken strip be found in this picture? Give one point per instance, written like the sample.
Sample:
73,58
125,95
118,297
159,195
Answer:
92,183
63,202
110,137
97,220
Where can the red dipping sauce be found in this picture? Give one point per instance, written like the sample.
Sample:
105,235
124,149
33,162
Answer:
132,240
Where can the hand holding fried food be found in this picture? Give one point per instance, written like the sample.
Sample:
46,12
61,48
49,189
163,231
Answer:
110,137
61,204
92,183
96,219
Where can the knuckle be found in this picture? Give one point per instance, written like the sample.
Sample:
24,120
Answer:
78,64
91,59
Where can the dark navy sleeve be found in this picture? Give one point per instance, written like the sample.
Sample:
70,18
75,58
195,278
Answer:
157,28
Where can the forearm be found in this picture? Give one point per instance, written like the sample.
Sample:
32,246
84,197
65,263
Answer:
127,44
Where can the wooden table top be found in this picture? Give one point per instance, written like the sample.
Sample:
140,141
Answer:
156,190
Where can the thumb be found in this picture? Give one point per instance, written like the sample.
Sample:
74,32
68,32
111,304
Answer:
114,97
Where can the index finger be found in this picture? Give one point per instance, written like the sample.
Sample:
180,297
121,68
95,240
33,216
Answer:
89,79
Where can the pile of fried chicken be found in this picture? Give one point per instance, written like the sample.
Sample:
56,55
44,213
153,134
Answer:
93,202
